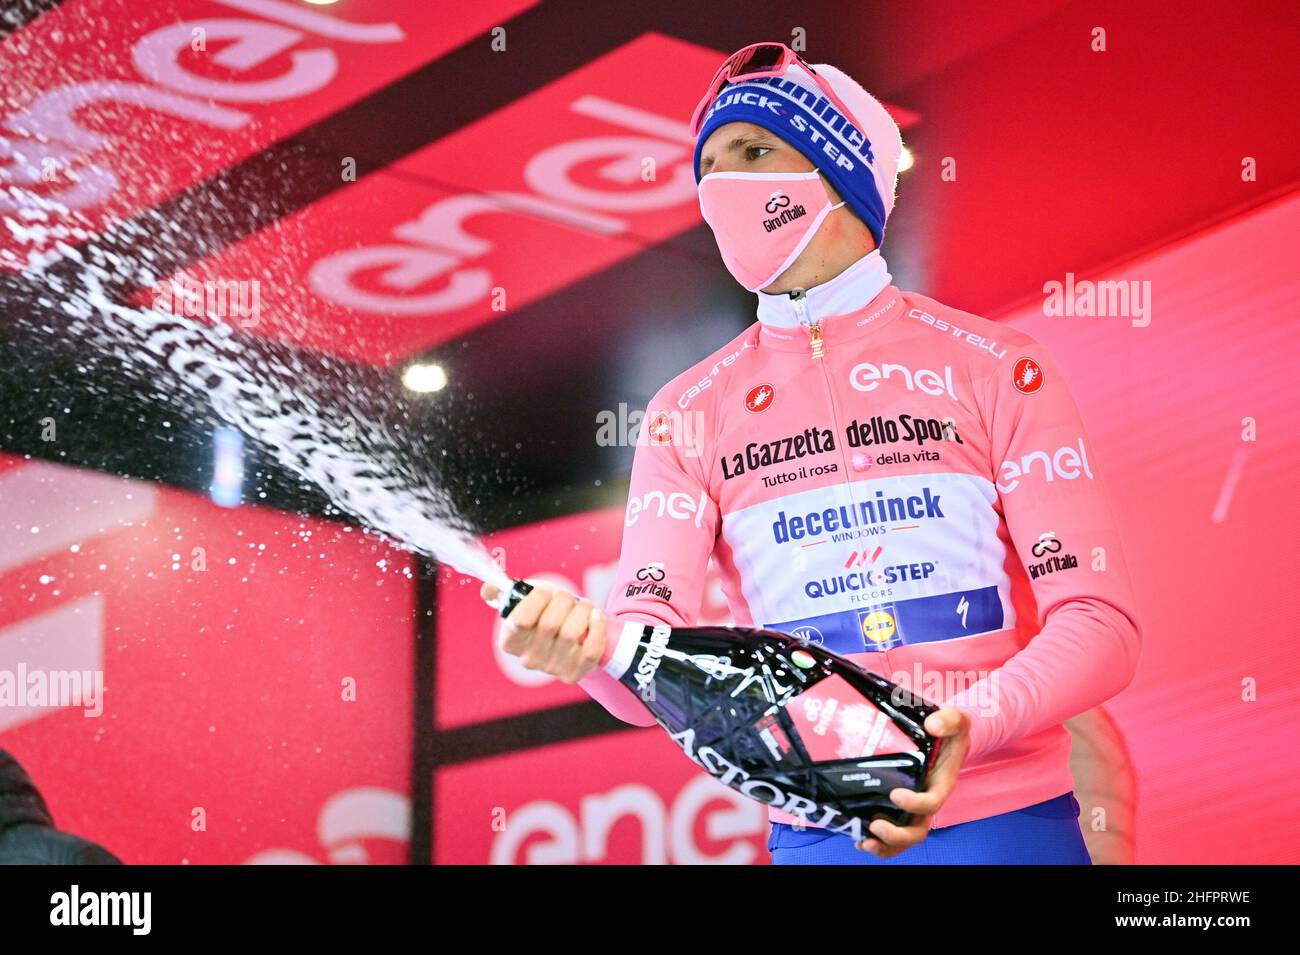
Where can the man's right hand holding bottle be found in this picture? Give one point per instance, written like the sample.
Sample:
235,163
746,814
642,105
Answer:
553,631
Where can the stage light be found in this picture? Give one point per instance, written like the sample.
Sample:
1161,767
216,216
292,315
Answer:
424,378
905,160
227,467
320,3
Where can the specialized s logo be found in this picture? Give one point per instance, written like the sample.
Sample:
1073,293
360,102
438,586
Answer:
1027,376
760,398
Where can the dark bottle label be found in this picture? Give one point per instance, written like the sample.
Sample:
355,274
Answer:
780,720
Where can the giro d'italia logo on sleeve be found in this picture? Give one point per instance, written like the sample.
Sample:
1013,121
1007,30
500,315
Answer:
654,571
760,398
1027,376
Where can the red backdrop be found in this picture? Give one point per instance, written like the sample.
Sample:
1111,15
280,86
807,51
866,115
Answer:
224,687
1208,512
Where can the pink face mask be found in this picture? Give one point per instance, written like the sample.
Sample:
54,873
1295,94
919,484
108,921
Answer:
763,220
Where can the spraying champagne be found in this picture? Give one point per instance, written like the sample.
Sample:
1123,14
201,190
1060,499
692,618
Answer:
776,718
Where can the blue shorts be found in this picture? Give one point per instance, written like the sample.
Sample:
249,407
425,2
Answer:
1044,834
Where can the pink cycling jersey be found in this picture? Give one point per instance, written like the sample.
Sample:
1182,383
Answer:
909,485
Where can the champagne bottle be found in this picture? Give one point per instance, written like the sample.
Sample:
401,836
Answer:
776,718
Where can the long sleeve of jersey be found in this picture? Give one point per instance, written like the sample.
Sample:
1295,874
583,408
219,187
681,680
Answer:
1065,538
669,530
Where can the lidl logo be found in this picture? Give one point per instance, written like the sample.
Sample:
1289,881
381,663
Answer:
879,628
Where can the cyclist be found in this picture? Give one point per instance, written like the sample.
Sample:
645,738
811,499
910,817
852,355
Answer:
907,484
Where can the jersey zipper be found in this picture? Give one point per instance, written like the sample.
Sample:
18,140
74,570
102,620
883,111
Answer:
799,298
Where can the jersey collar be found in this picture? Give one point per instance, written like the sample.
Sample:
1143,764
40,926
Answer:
856,302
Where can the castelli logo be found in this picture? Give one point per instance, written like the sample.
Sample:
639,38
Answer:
760,398
661,429
1027,376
